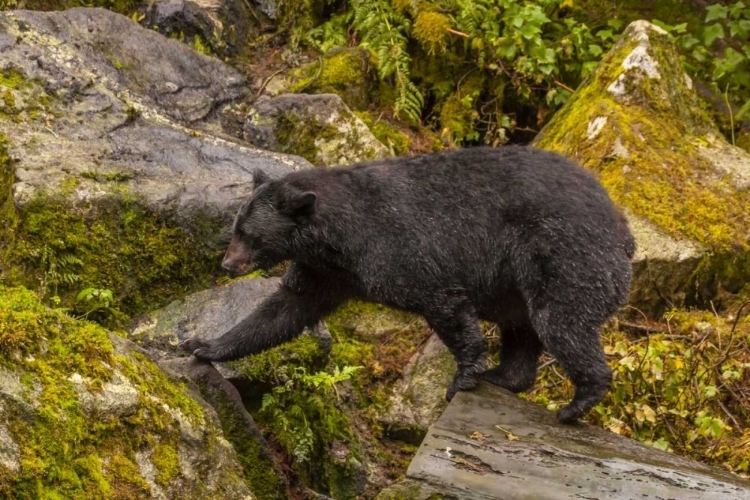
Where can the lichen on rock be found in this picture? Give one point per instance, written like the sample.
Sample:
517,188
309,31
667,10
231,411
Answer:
637,123
320,128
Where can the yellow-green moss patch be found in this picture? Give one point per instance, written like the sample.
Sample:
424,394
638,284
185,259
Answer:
58,249
344,72
67,450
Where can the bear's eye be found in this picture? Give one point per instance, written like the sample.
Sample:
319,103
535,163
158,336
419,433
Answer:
255,241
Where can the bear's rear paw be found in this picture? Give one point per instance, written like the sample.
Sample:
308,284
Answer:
462,381
514,380
569,414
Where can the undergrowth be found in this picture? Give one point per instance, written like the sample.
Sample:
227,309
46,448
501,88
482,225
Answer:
680,386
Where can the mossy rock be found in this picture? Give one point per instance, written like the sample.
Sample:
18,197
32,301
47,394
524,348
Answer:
319,128
345,72
102,186
85,414
637,123
418,399
213,27
409,489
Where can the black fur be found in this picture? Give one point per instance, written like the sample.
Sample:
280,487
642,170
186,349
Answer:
513,235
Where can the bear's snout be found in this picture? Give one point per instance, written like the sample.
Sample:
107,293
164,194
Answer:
237,257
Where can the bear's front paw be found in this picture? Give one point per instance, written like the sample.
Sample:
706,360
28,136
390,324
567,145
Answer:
190,345
462,382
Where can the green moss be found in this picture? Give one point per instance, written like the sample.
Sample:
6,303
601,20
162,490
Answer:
115,244
13,79
345,72
431,29
151,381
273,366
200,46
300,137
662,177
389,134
167,463
259,473
64,452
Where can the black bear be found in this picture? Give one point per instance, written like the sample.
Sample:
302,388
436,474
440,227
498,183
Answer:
513,235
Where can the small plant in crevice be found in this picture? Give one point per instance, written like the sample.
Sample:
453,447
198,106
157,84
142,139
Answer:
303,414
91,300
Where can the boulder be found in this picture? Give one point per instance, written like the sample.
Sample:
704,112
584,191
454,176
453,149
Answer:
260,469
210,26
85,413
637,123
418,399
490,443
109,187
209,314
345,72
320,128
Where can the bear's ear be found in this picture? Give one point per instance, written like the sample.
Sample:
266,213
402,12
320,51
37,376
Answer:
299,203
259,178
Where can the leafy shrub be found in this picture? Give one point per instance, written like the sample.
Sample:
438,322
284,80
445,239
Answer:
684,390
530,53
719,53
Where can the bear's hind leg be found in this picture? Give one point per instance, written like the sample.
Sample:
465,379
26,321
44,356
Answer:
575,342
520,349
455,322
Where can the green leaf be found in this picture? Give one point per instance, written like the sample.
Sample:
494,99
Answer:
605,35
716,11
615,24
745,109
680,28
529,31
739,28
688,41
711,33
595,50
86,293
736,10
661,444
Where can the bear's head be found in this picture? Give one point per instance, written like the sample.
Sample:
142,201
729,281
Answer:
266,225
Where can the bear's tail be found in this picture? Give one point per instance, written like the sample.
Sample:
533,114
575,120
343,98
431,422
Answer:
623,231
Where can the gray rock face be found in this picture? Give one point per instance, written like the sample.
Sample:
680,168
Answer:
490,444
223,26
318,127
99,108
209,314
72,49
418,398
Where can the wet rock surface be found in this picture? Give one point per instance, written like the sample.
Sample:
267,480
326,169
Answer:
209,314
491,444
100,108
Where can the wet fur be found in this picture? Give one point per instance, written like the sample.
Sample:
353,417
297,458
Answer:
516,236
